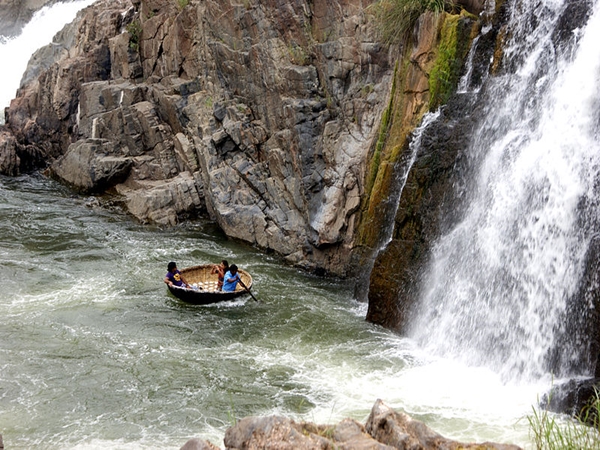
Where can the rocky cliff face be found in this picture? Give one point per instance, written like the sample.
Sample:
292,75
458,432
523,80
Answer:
440,47
260,114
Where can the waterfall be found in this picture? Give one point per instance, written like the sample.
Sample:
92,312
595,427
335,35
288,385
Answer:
15,52
500,288
403,167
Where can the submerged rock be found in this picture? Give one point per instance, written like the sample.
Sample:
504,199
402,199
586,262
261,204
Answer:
576,397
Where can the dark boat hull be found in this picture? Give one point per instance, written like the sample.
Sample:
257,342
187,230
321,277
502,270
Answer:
202,297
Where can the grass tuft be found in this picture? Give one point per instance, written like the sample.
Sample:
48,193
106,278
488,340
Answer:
581,432
397,18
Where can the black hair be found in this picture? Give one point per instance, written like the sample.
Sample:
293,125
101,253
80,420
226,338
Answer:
233,268
171,266
225,263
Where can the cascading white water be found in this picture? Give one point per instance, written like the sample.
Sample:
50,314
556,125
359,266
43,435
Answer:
498,288
15,52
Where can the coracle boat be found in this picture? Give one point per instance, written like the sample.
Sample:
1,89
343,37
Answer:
204,283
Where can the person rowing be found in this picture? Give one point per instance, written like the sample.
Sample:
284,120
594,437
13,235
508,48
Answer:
231,279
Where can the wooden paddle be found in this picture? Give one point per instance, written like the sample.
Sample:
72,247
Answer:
248,290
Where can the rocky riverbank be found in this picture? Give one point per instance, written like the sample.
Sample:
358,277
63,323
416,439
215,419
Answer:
385,429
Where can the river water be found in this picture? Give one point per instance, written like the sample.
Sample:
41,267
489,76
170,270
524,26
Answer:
94,352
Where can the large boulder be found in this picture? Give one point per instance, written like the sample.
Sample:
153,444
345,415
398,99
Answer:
198,444
10,162
385,429
92,165
400,431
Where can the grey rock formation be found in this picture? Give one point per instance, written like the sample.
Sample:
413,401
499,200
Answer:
198,444
385,429
260,115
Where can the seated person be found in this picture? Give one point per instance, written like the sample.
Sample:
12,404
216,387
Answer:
174,277
221,270
232,278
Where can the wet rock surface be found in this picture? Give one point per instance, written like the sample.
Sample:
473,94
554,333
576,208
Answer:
385,429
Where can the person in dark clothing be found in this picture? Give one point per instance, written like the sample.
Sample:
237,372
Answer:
174,277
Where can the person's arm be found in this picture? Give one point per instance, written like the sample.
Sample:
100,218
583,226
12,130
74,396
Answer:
184,282
168,282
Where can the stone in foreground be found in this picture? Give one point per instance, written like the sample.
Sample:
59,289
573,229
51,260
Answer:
385,429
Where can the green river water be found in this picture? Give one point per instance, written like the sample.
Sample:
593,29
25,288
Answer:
95,353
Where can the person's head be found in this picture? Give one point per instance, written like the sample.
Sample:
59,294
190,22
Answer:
172,266
225,264
233,269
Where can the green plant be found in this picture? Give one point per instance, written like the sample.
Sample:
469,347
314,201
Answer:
298,55
383,133
367,89
135,33
231,412
396,18
183,3
550,432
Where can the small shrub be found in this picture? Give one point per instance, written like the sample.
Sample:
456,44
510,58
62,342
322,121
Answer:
183,3
298,55
135,33
397,18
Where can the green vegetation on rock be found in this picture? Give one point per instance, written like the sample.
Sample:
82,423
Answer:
383,132
426,75
135,32
396,18
452,50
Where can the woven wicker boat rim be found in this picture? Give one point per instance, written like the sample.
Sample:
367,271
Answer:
201,274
